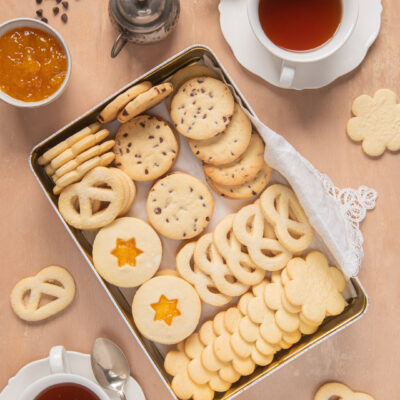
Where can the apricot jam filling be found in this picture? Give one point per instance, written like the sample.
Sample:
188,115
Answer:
33,64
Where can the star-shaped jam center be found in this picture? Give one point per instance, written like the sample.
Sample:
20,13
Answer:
126,252
166,310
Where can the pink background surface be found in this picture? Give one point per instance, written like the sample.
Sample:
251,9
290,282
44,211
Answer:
31,236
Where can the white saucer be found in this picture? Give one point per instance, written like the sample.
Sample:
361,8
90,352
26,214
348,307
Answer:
254,57
79,364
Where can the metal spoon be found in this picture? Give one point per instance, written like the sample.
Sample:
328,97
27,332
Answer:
110,366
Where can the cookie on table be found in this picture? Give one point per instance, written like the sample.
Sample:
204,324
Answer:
166,309
111,110
144,101
244,169
245,190
339,390
180,206
202,108
228,145
145,148
127,252
185,74
52,281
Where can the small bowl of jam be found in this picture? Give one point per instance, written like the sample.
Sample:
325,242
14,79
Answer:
35,63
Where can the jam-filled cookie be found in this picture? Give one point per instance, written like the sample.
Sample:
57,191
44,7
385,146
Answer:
166,309
127,252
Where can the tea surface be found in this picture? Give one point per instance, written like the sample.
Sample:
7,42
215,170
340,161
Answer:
300,25
66,391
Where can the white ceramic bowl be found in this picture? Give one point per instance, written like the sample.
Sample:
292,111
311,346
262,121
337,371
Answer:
33,23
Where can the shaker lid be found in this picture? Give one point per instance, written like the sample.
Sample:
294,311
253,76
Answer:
140,16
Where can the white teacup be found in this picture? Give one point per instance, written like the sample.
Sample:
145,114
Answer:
60,374
291,58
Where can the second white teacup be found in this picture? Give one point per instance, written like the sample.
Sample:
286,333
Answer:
60,375
291,58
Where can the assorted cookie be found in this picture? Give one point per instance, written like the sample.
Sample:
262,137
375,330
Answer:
145,148
179,206
242,337
376,122
101,196
144,101
202,108
339,391
229,145
166,309
52,281
256,254
127,252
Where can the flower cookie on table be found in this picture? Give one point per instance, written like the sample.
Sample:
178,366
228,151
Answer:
179,206
166,309
340,391
376,122
146,148
127,252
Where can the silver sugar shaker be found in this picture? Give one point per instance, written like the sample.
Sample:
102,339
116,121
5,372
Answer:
142,21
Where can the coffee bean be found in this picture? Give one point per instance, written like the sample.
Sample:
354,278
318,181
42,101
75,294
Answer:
39,1
58,1
56,10
45,20
64,18
65,4
39,13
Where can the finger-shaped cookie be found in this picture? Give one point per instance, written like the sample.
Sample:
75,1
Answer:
208,259
202,283
67,143
51,281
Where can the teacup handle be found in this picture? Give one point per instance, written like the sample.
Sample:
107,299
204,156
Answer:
287,75
58,361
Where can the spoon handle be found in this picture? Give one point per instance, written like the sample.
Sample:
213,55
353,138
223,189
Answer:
122,395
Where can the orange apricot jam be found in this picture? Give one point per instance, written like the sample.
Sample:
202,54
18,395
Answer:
33,64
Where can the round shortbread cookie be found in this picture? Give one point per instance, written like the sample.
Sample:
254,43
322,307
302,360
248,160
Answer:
144,101
145,148
229,145
180,206
187,73
202,108
244,169
166,309
111,110
245,190
127,252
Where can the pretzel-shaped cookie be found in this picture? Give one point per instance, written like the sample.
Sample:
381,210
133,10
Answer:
43,283
239,263
99,184
341,391
202,282
248,227
282,209
207,258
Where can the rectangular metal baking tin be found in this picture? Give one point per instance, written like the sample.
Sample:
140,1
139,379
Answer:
356,308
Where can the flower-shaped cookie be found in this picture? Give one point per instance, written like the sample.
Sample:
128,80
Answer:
376,122
315,286
338,390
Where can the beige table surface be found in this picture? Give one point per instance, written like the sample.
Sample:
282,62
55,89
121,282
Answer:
365,355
